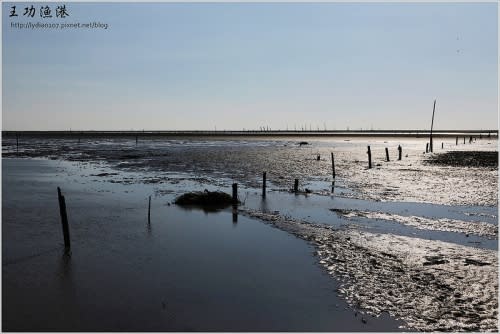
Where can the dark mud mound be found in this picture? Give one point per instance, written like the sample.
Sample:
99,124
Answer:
465,159
205,199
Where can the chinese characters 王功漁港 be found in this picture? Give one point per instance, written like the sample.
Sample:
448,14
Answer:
45,11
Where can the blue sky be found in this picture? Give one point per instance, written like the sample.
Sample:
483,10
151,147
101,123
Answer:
247,65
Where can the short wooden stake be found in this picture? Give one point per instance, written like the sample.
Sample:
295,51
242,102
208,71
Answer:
464,140
64,219
296,186
235,193
333,166
399,152
149,210
442,145
456,141
387,154
264,184
369,157
427,148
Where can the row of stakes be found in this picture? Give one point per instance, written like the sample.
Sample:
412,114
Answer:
64,216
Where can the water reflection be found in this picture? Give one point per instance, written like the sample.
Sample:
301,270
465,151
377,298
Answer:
149,228
235,215
65,272
264,205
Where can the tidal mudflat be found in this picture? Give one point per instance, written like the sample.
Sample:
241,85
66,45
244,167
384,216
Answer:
410,244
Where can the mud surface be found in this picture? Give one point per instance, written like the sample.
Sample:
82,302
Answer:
411,179
440,224
431,285
466,159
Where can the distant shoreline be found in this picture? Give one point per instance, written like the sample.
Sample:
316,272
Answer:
254,133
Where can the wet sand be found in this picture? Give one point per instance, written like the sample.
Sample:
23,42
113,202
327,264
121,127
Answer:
406,224
431,285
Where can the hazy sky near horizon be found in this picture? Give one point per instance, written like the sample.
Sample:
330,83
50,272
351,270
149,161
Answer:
162,66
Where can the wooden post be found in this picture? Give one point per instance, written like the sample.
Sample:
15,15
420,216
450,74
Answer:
333,167
442,145
427,148
264,184
480,136
489,135
432,125
149,211
464,140
387,154
64,219
296,186
235,193
456,141
369,157
399,152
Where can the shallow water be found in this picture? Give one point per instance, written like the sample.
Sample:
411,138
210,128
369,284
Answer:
187,270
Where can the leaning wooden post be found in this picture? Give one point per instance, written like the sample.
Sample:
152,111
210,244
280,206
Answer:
149,211
432,125
64,219
399,152
264,184
235,193
296,186
369,157
387,154
333,167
